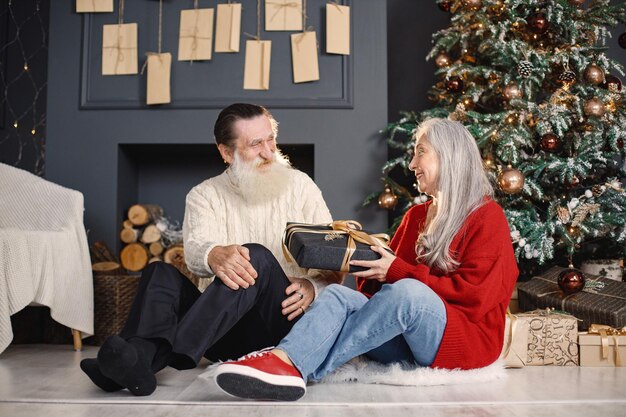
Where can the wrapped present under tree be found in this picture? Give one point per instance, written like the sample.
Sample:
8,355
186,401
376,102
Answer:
602,300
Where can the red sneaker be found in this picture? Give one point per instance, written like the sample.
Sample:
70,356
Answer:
260,376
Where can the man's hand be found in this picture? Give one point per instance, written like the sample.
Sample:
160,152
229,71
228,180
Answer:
300,295
231,264
378,268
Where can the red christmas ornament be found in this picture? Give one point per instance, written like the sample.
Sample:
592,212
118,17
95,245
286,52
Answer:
550,142
444,5
620,143
454,84
538,23
622,40
571,281
612,83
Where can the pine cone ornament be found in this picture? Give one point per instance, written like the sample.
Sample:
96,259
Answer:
567,77
525,69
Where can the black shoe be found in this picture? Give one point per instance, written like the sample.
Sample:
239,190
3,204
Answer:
120,361
91,368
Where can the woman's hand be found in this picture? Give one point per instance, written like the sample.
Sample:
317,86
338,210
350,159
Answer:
300,295
378,268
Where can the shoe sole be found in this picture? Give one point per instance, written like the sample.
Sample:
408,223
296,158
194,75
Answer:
248,383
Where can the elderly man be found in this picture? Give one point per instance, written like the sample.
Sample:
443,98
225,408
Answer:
257,296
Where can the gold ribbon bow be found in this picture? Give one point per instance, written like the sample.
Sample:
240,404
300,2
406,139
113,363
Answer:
350,228
604,332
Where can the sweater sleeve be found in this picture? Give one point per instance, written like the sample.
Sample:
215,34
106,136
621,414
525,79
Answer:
480,275
198,232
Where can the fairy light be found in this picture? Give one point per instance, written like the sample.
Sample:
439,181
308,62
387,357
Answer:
22,91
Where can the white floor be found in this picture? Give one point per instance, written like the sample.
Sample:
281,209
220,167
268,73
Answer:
45,380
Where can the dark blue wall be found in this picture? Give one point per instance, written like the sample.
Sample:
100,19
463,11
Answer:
96,124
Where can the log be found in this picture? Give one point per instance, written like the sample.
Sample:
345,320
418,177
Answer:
128,235
151,234
107,268
155,248
141,214
100,252
175,255
127,224
134,257
155,259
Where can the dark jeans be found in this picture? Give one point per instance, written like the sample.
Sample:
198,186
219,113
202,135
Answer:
219,323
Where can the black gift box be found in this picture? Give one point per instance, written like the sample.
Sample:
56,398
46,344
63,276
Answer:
603,301
320,246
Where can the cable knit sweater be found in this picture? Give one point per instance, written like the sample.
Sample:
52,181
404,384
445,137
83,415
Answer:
475,295
217,214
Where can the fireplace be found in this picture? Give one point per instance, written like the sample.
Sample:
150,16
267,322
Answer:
163,174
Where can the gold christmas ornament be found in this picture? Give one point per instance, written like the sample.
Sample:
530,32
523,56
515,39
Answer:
443,60
387,199
594,74
512,91
594,107
511,180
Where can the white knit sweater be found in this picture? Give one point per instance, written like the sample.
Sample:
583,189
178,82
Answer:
217,214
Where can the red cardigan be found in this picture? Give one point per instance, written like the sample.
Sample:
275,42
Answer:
476,294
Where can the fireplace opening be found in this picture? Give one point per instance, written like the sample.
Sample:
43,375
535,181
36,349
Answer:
163,174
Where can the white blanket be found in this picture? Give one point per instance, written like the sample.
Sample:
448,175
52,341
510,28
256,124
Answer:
44,256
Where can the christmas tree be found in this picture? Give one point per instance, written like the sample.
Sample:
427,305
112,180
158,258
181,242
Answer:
531,82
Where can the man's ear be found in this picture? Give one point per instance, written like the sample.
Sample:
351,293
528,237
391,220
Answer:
226,153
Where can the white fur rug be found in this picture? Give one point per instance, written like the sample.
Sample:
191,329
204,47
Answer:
365,371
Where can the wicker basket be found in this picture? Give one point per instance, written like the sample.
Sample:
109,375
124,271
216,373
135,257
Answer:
113,296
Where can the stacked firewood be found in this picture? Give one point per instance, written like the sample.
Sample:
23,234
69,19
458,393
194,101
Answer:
143,235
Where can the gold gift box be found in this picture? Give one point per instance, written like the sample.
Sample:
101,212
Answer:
602,346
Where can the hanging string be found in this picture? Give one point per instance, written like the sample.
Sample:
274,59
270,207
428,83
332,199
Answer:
258,22
160,24
120,15
195,4
303,15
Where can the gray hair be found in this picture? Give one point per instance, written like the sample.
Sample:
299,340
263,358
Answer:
462,186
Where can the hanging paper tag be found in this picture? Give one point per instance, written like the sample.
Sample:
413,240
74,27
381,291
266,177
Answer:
94,6
228,27
195,37
304,57
337,29
257,67
119,49
283,15
159,67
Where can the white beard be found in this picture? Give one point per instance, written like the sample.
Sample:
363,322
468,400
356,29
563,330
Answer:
258,184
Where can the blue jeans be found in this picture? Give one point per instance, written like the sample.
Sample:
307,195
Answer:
403,322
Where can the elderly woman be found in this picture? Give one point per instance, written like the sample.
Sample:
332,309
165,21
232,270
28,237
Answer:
443,297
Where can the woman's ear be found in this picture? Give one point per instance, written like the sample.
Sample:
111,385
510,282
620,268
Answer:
226,153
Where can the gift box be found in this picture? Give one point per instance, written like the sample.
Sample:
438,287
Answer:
601,301
552,338
331,246
515,346
602,346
